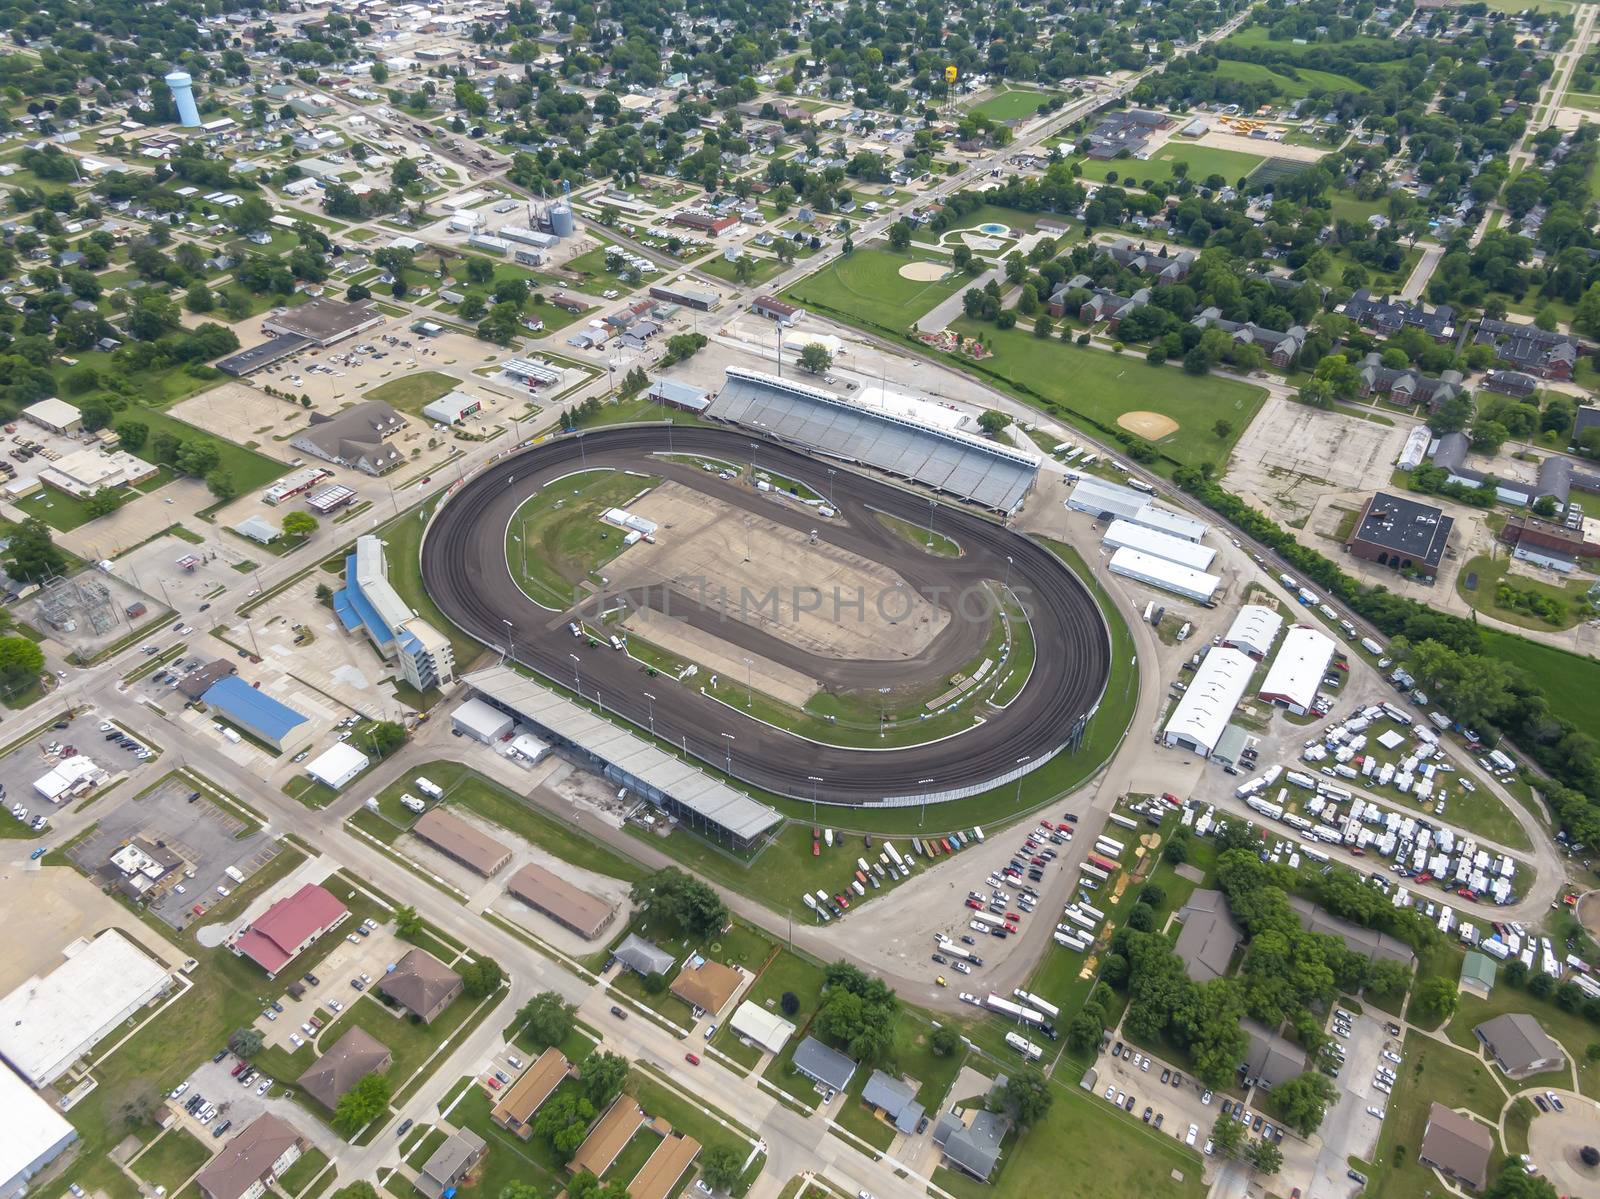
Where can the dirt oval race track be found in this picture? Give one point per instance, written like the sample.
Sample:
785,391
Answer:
465,571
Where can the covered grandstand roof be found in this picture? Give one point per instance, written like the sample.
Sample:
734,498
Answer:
714,801
987,473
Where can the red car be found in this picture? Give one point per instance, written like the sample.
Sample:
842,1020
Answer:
816,849
974,905
1171,799
691,1059
494,1083
841,900
1037,861
239,1069
1013,918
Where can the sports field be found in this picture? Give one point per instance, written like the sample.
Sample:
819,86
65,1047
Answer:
1104,386
1204,161
867,286
1011,104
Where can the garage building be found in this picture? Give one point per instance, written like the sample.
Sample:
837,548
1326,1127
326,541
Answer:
1254,630
56,415
1190,554
1297,671
571,907
1199,719
1169,576
460,842
481,722
337,765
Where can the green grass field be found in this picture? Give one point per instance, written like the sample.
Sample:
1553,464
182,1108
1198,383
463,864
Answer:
1569,682
1204,161
721,268
1011,104
1490,571
415,390
1102,386
556,539
1309,80
867,286
170,1161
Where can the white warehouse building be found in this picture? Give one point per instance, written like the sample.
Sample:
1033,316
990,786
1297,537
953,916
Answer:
1113,501
1124,533
1254,630
48,1023
1298,669
1197,723
35,1134
1169,576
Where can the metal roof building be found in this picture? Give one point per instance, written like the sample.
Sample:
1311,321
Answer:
760,1027
972,468
36,1134
1113,501
1253,630
257,713
676,786
1214,692
1160,572
1124,533
1297,670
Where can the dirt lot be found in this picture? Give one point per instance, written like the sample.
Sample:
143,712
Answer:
61,900
1292,455
718,657
708,553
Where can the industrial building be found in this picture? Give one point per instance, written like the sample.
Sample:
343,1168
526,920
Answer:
1254,631
460,842
280,933
1297,671
1207,706
369,602
697,799
1113,501
1188,554
48,1023
321,322
969,467
84,472
575,909
58,416
337,765
690,297
1401,533
35,1135
257,713
453,408
482,722
1169,576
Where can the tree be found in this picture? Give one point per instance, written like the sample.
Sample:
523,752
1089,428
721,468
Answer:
564,1121
481,978
899,235
362,1104
721,1166
1266,1157
945,1041
1435,1000
1226,1134
1084,1033
299,525
1488,435
1027,1096
385,737
1302,1102
1514,1182
694,906
103,502
137,1103
132,434
33,555
21,660
547,1018
1222,428
992,421
814,357
789,1003
585,1185
683,345
602,1075
246,1042
407,924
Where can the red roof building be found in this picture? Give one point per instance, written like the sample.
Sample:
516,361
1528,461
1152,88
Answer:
288,926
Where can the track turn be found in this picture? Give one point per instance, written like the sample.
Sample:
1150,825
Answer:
465,571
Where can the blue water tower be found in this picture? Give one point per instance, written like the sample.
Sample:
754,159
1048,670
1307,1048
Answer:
183,96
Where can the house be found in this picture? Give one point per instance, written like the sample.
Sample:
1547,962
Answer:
1457,1146
1280,348
251,1160
356,437
449,1164
708,986
1519,1046
354,1056
822,1065
641,956
422,984
894,1099
971,1145
1529,349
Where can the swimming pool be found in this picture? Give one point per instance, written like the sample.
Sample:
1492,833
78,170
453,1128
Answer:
995,229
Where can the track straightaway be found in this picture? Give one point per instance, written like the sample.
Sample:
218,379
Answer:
465,570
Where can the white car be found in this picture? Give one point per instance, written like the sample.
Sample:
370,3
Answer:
335,1006
223,891
177,1090
1194,1131
1376,1112
178,889
263,1086
296,1040
352,938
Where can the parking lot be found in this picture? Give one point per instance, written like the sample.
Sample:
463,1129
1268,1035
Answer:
205,835
1171,1106
214,1083
352,957
79,738
1349,1129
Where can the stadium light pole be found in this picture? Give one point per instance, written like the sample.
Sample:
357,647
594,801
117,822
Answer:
1020,763
923,813
511,646
652,701
930,521
583,454
727,751
831,473
749,683
576,684
814,780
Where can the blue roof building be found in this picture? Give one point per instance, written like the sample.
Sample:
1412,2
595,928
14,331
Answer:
263,717
369,603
